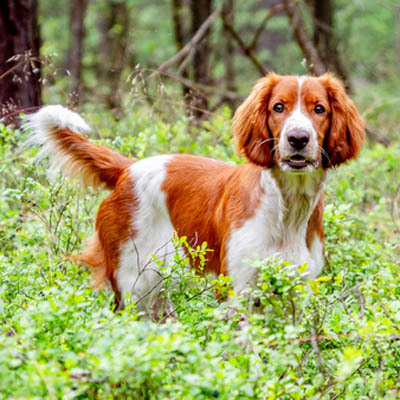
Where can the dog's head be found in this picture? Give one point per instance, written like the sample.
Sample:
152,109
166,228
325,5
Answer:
298,123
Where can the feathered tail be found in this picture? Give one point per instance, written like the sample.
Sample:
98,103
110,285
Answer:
58,130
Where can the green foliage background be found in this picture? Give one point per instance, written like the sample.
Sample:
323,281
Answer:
337,338
366,32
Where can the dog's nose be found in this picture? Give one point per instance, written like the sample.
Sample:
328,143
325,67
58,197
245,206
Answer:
298,139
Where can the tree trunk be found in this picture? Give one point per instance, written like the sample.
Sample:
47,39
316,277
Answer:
323,29
324,35
177,8
76,22
229,53
113,47
314,63
20,87
200,9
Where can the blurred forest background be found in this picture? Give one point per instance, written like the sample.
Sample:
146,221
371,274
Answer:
165,76
171,56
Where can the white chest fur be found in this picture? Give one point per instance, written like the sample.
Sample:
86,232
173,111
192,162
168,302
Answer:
278,226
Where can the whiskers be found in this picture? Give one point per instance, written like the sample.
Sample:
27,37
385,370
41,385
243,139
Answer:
268,140
273,140
275,149
325,154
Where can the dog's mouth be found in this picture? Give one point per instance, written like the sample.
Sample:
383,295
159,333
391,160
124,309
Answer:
297,161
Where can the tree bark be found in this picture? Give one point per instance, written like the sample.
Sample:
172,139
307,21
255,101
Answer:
247,51
20,86
229,53
77,34
324,38
323,29
200,9
113,46
315,65
179,33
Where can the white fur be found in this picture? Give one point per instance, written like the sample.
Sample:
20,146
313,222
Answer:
317,254
259,235
279,226
137,273
298,120
43,123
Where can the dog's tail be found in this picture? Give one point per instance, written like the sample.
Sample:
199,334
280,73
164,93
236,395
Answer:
58,130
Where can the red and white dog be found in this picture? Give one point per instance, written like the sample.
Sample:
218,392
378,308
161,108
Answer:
291,129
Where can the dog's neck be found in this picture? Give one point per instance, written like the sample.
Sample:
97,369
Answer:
300,193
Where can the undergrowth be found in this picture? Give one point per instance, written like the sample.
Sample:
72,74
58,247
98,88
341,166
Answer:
335,338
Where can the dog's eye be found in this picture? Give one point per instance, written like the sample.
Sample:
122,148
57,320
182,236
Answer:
319,109
279,107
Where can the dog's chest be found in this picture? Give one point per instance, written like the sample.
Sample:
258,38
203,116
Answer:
278,226
263,233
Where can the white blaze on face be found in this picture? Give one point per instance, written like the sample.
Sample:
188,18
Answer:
299,120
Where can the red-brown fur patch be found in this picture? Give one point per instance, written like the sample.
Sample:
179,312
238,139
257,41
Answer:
113,227
315,227
347,128
207,198
250,123
97,165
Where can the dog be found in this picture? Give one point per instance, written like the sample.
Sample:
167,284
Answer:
291,129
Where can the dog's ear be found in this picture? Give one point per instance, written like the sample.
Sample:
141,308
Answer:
346,135
250,123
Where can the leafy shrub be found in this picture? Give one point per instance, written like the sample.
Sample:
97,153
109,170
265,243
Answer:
336,337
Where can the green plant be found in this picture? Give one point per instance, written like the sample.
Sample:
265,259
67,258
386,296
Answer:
336,337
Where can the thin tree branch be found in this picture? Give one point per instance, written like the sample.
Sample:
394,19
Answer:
270,13
177,19
194,41
310,53
205,289
198,87
246,50
314,345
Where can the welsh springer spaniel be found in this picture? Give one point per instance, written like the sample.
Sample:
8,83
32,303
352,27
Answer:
291,129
